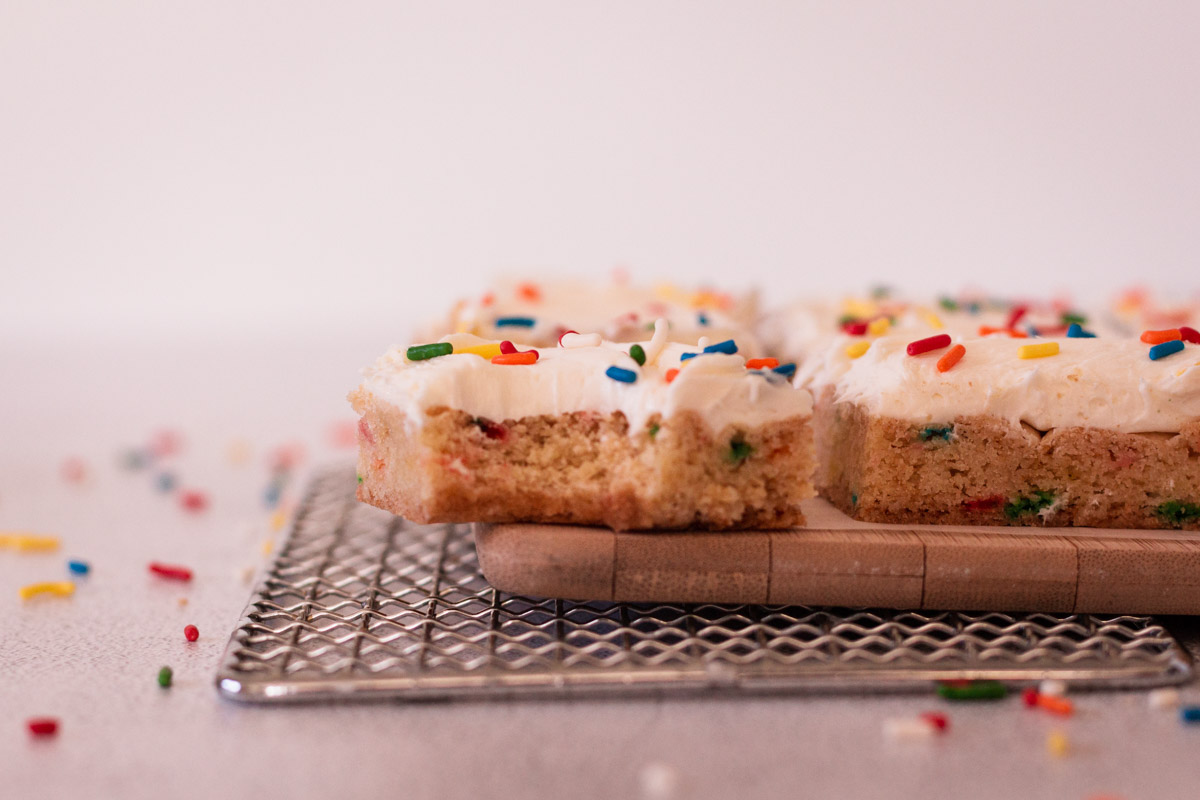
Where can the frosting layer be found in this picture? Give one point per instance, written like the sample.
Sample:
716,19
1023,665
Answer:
570,379
1103,382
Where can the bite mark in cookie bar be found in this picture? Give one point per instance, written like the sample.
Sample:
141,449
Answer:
586,434
1085,432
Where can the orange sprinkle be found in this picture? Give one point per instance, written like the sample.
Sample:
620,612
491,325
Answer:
987,330
671,373
1158,337
762,363
1056,705
528,357
487,299
530,292
950,358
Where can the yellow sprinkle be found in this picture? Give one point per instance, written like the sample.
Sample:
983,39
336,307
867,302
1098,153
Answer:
933,320
60,588
856,307
857,349
1057,744
182,602
1040,350
278,519
267,546
25,542
487,351
667,291
878,327
239,451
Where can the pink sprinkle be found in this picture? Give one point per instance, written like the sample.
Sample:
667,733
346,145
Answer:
926,345
74,470
193,500
166,443
341,434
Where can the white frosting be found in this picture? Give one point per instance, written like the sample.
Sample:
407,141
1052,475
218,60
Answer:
564,380
1103,382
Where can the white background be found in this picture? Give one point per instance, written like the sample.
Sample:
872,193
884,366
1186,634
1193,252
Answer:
224,167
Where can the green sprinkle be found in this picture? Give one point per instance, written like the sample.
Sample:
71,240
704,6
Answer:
948,303
739,451
638,354
881,292
854,498
943,432
975,690
1029,505
654,428
846,319
1178,512
359,479
1073,318
164,677
422,352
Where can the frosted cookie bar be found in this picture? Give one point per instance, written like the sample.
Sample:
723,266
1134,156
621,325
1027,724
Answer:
538,312
1067,431
633,436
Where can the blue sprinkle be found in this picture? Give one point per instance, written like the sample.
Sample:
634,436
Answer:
686,356
702,318
1032,331
78,567
1165,349
165,481
622,375
1189,714
514,322
727,346
1076,331
786,370
271,495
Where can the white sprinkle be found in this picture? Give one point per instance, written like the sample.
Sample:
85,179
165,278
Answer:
907,729
703,342
571,339
1052,688
658,341
659,781
1163,699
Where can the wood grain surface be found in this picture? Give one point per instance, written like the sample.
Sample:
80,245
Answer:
840,561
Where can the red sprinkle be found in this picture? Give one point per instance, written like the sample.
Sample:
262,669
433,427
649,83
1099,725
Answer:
856,328
926,345
951,357
564,333
1158,337
984,503
1029,696
191,633
43,726
1014,316
507,347
762,363
1189,335
171,571
937,719
193,500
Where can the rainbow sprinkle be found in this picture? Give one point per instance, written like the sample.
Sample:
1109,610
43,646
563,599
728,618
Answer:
728,347
622,375
857,349
1165,349
1040,350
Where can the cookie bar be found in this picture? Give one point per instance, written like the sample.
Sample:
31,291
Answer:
633,436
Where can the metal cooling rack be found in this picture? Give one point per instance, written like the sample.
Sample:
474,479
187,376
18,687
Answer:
360,603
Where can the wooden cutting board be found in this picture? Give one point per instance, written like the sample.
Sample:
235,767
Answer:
839,561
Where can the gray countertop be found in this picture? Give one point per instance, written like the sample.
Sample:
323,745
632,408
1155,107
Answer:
91,659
